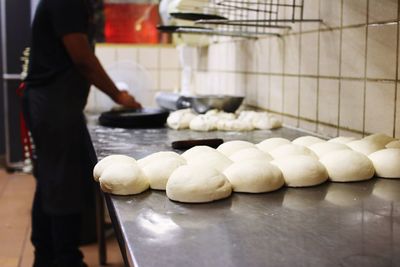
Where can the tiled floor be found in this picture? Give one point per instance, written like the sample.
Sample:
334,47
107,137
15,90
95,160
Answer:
16,193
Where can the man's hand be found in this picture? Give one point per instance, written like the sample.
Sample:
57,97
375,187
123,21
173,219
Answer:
127,100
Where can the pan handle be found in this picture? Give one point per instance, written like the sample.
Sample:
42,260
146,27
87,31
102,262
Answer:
184,102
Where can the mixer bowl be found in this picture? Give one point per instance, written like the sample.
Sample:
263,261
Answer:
201,104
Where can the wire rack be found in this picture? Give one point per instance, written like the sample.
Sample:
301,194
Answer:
248,18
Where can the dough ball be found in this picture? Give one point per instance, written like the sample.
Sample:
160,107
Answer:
347,194
301,171
159,166
203,123
380,138
234,125
365,147
291,150
348,166
251,153
271,143
180,119
324,148
159,156
196,184
386,162
107,161
212,159
342,140
254,176
221,114
388,190
196,151
230,147
393,144
123,178
307,140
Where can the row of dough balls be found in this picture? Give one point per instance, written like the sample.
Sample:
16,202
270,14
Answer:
222,121
204,174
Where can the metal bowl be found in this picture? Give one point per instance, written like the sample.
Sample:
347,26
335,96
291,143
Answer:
227,103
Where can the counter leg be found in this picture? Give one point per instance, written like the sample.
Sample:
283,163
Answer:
101,227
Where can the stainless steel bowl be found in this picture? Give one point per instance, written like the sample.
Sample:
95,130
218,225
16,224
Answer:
201,104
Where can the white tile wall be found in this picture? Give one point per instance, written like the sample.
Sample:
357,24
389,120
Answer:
106,55
291,96
292,54
311,11
354,12
352,104
263,91
382,10
328,101
263,55
276,55
276,93
353,47
379,107
329,53
309,53
381,58
169,58
149,57
126,53
331,12
308,98
397,121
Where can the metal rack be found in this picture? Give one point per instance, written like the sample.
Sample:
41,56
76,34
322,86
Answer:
250,18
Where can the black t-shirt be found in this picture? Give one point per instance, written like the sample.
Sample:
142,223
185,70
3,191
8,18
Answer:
54,19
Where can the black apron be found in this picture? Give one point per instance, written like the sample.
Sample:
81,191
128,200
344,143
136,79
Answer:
64,154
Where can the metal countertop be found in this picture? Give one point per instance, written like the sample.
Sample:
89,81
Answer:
334,224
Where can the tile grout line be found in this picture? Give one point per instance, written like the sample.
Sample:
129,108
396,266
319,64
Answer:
340,65
396,86
318,69
365,70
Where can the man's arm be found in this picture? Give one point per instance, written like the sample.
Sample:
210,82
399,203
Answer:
79,50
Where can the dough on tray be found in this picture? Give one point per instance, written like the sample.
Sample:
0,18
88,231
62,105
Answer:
301,171
231,147
307,140
123,178
386,162
324,148
393,144
379,138
196,184
291,150
348,166
211,159
342,140
204,123
251,153
107,161
271,143
365,147
158,167
254,176
196,151
180,119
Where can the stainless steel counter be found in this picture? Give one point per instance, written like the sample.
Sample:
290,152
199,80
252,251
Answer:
334,224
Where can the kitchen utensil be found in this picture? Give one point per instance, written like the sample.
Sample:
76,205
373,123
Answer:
186,144
142,118
176,28
195,16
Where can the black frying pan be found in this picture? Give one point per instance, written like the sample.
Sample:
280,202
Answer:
195,16
142,118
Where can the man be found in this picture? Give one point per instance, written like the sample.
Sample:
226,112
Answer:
62,67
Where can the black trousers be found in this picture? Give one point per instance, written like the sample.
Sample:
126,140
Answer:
55,237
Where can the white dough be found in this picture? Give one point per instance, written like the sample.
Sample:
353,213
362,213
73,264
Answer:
107,161
380,138
196,184
324,148
211,159
271,143
393,144
386,162
307,140
301,171
291,150
123,179
230,147
203,123
158,167
365,147
251,153
254,176
158,156
234,125
180,119
348,166
196,151
342,140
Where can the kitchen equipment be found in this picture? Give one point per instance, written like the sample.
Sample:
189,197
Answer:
195,16
186,144
177,28
141,118
200,104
